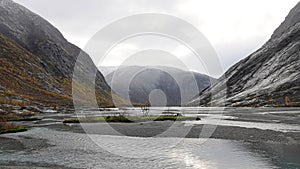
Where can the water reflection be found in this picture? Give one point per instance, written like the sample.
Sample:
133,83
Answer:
77,150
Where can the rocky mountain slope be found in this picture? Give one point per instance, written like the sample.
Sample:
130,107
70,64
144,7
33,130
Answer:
270,76
136,84
37,62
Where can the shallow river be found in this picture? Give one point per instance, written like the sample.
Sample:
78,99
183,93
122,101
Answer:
80,151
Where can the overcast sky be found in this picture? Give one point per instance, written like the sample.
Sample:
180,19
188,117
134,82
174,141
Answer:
235,28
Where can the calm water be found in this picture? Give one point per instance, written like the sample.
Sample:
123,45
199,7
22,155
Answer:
79,151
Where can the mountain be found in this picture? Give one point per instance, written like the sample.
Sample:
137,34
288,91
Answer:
37,62
106,70
268,77
136,83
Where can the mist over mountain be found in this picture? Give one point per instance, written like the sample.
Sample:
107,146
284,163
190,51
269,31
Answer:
177,86
37,62
106,70
268,77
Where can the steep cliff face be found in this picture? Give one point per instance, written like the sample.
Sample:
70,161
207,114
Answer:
291,20
269,76
136,84
31,45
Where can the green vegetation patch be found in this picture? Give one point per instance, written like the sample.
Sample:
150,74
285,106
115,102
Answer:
174,118
11,128
129,119
24,119
71,121
120,119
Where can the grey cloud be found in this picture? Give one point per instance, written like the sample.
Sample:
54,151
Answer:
79,20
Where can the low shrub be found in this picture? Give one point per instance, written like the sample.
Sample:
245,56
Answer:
121,119
71,121
11,128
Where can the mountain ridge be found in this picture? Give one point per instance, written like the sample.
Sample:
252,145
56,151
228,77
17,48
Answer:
52,54
136,83
268,77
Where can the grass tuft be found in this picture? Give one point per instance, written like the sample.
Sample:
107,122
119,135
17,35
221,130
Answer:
24,119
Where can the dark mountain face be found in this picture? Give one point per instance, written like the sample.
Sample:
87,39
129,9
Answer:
270,76
42,48
176,86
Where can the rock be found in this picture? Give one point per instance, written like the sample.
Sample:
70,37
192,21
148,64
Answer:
268,77
2,88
